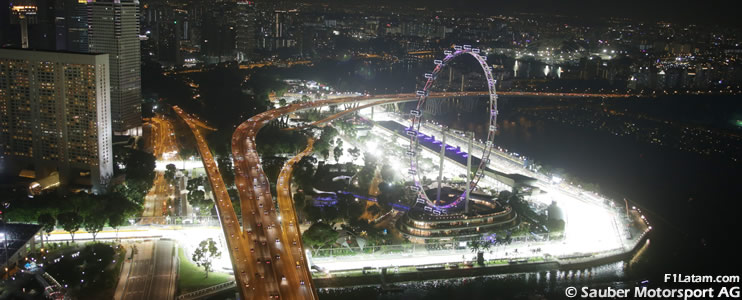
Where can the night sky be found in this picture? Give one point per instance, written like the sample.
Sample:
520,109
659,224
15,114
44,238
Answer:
723,12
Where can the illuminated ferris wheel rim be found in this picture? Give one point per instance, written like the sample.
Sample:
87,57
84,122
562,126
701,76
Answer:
416,120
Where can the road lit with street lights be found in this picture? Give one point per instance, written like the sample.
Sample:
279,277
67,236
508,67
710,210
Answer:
164,147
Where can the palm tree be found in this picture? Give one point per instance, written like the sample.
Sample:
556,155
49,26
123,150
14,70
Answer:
475,246
486,245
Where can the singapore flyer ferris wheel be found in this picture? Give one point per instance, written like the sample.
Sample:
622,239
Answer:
416,119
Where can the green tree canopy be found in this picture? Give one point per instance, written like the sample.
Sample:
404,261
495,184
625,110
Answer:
319,235
355,153
70,222
170,171
140,165
205,254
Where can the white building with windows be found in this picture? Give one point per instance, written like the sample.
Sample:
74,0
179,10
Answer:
55,116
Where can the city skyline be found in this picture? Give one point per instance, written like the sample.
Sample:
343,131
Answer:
326,149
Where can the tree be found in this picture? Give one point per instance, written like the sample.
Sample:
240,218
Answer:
304,172
475,246
374,210
325,153
299,200
134,190
226,169
119,210
337,153
198,199
70,222
94,223
205,254
281,102
355,153
387,173
194,183
170,171
319,234
47,222
140,165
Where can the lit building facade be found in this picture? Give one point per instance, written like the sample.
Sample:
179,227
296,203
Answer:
114,29
55,115
245,41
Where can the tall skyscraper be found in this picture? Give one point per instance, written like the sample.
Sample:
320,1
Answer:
55,115
76,25
114,29
245,35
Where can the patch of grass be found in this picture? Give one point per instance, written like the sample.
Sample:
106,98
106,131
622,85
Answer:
192,277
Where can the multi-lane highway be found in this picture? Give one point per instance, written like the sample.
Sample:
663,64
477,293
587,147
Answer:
261,224
246,271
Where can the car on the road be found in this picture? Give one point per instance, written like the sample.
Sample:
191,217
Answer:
278,241
301,282
278,257
297,264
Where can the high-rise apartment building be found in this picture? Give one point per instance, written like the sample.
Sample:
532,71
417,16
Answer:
114,29
55,115
245,36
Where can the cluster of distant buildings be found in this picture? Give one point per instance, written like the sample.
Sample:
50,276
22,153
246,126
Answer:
73,77
70,79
